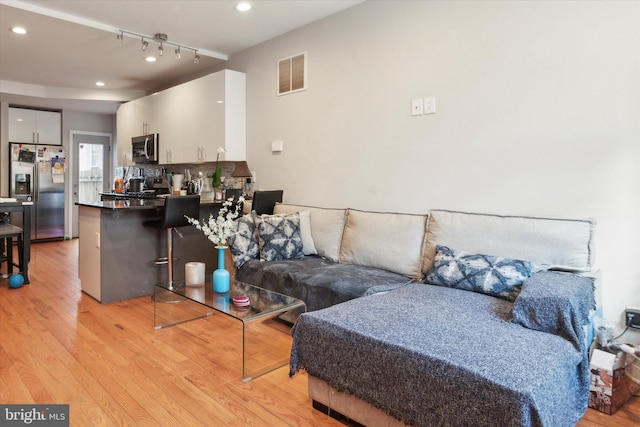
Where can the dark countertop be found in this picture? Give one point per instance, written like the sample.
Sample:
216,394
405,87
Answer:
136,204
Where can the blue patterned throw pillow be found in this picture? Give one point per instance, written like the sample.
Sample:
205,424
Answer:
496,276
279,237
243,243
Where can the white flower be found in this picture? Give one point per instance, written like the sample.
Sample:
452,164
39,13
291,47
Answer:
218,229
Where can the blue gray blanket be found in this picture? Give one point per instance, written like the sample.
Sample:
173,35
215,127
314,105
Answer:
319,282
433,356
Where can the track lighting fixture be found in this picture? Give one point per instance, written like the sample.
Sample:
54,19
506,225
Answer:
161,39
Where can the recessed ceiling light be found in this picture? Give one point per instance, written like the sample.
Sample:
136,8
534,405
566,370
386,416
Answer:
19,30
243,6
150,58
100,84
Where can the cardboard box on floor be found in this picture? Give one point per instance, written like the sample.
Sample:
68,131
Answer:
609,386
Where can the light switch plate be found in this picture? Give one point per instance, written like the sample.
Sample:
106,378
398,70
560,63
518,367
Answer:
416,107
430,105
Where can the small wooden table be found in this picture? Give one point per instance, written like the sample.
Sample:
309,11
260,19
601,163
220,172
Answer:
25,208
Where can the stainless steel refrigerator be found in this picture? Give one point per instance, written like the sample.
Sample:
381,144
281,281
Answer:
37,174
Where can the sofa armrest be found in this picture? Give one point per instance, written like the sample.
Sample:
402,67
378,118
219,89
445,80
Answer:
557,303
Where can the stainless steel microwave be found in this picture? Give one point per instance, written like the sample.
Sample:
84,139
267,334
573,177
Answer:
144,149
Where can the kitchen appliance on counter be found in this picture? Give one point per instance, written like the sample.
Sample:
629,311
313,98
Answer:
36,174
144,149
136,184
161,185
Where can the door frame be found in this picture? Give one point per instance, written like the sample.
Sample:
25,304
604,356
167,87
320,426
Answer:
74,166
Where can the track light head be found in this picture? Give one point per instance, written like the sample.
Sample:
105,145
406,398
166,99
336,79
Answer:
161,39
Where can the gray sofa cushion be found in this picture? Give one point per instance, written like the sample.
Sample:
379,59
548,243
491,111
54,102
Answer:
391,241
327,226
319,282
550,243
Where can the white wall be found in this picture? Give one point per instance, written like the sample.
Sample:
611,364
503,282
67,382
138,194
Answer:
538,113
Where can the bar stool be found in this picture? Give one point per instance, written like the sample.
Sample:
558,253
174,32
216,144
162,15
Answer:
175,209
265,201
7,233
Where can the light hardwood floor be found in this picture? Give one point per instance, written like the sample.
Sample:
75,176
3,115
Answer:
58,345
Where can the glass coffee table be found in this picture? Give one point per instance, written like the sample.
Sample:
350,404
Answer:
266,321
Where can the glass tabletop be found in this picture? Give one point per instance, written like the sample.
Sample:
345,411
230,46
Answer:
262,302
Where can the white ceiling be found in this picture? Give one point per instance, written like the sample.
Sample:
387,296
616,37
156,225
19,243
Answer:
71,44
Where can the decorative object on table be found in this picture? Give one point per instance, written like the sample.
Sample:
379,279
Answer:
221,276
194,273
217,230
241,301
16,281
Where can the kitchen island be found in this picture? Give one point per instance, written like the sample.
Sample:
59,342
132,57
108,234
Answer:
117,252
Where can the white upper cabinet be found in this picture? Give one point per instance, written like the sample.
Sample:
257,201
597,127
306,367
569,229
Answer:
125,130
193,119
169,125
35,126
146,112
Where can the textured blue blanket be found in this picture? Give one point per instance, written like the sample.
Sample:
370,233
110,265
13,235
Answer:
431,355
319,282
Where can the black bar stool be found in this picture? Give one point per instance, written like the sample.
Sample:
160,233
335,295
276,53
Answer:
175,209
264,201
7,233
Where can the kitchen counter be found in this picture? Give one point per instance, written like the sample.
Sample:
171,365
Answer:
132,204
138,204
116,251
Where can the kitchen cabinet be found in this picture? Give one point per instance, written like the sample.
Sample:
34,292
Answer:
135,118
146,115
169,119
35,126
193,119
125,130
215,116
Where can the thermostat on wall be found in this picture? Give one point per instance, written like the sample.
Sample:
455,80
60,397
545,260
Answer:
277,146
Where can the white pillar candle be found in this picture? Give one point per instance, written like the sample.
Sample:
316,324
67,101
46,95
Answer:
194,273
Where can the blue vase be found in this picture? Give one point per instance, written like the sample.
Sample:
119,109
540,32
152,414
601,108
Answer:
220,276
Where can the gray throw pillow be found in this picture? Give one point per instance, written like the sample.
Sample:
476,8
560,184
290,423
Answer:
496,276
243,243
279,237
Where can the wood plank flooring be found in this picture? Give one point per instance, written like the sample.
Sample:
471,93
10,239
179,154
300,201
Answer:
58,345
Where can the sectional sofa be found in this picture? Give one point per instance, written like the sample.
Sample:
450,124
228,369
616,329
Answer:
447,318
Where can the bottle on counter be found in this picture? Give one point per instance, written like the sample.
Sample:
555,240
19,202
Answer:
119,185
